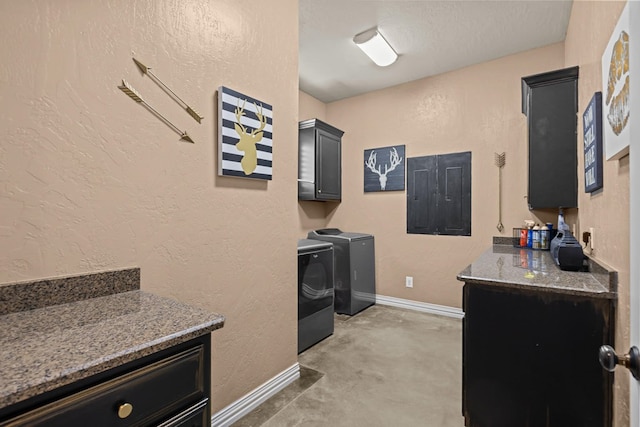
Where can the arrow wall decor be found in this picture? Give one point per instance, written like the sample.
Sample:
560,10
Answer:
147,70
133,94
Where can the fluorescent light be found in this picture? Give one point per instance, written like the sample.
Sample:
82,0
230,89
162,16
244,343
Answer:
376,47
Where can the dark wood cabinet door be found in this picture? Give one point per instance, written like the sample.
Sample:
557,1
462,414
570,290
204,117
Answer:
454,194
550,102
439,194
329,169
422,195
531,359
319,161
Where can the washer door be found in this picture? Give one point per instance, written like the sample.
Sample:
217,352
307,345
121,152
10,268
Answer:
315,282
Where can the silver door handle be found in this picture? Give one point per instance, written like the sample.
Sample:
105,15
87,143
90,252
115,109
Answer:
609,360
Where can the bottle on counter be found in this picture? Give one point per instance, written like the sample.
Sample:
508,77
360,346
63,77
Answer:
529,236
545,233
523,237
562,226
535,237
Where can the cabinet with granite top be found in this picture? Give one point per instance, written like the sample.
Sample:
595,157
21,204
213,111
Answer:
119,357
531,339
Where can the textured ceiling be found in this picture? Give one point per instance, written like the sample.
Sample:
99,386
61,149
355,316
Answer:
431,37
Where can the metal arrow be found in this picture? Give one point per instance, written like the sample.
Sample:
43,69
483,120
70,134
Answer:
133,94
147,70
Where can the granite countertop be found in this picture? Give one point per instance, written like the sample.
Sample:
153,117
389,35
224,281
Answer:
521,268
47,347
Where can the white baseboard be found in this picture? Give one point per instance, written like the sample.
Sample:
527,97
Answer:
253,399
441,310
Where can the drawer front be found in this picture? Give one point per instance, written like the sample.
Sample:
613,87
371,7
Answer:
154,393
196,416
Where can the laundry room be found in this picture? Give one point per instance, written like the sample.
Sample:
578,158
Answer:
246,164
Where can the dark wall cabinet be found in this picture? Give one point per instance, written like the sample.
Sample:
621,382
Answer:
319,161
169,389
550,102
531,358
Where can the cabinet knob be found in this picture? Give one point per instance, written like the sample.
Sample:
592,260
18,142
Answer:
609,360
124,410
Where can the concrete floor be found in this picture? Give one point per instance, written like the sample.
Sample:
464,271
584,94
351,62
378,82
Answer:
384,366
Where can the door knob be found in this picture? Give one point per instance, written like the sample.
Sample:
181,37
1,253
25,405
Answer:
609,360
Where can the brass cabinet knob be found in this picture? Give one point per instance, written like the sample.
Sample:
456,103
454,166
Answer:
124,410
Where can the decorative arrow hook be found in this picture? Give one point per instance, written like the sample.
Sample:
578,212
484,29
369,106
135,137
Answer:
147,70
133,94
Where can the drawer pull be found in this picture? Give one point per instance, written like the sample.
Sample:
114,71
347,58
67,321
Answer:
124,410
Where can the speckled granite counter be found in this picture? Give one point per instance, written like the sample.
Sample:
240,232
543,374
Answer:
44,348
508,266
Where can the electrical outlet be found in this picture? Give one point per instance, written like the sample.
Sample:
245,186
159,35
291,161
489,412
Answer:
409,282
591,239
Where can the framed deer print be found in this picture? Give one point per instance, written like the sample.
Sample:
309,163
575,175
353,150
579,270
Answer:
244,136
384,169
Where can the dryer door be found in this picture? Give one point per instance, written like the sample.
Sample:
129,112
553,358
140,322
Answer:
315,282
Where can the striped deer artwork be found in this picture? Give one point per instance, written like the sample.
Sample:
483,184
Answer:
248,139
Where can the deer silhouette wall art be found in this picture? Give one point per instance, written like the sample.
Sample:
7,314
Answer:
245,136
385,182
248,140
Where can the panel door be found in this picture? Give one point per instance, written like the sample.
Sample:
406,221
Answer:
329,169
454,194
551,107
439,194
422,195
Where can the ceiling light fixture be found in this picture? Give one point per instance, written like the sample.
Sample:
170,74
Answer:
376,47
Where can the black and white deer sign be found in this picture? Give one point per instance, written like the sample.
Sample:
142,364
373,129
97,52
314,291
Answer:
394,160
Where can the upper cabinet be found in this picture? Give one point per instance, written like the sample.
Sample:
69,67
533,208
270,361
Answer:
319,161
550,102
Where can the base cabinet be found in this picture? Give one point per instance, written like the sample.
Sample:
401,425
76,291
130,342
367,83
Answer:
531,359
169,389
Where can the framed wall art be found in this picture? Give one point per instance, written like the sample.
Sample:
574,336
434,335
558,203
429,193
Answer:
592,132
616,77
245,139
384,169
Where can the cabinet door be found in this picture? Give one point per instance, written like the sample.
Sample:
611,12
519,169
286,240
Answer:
527,353
329,169
422,195
551,106
454,194
439,194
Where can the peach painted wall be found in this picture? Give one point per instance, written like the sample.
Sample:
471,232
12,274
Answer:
590,28
475,109
90,180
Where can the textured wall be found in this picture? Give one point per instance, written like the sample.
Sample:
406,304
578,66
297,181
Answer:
590,27
90,180
475,109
